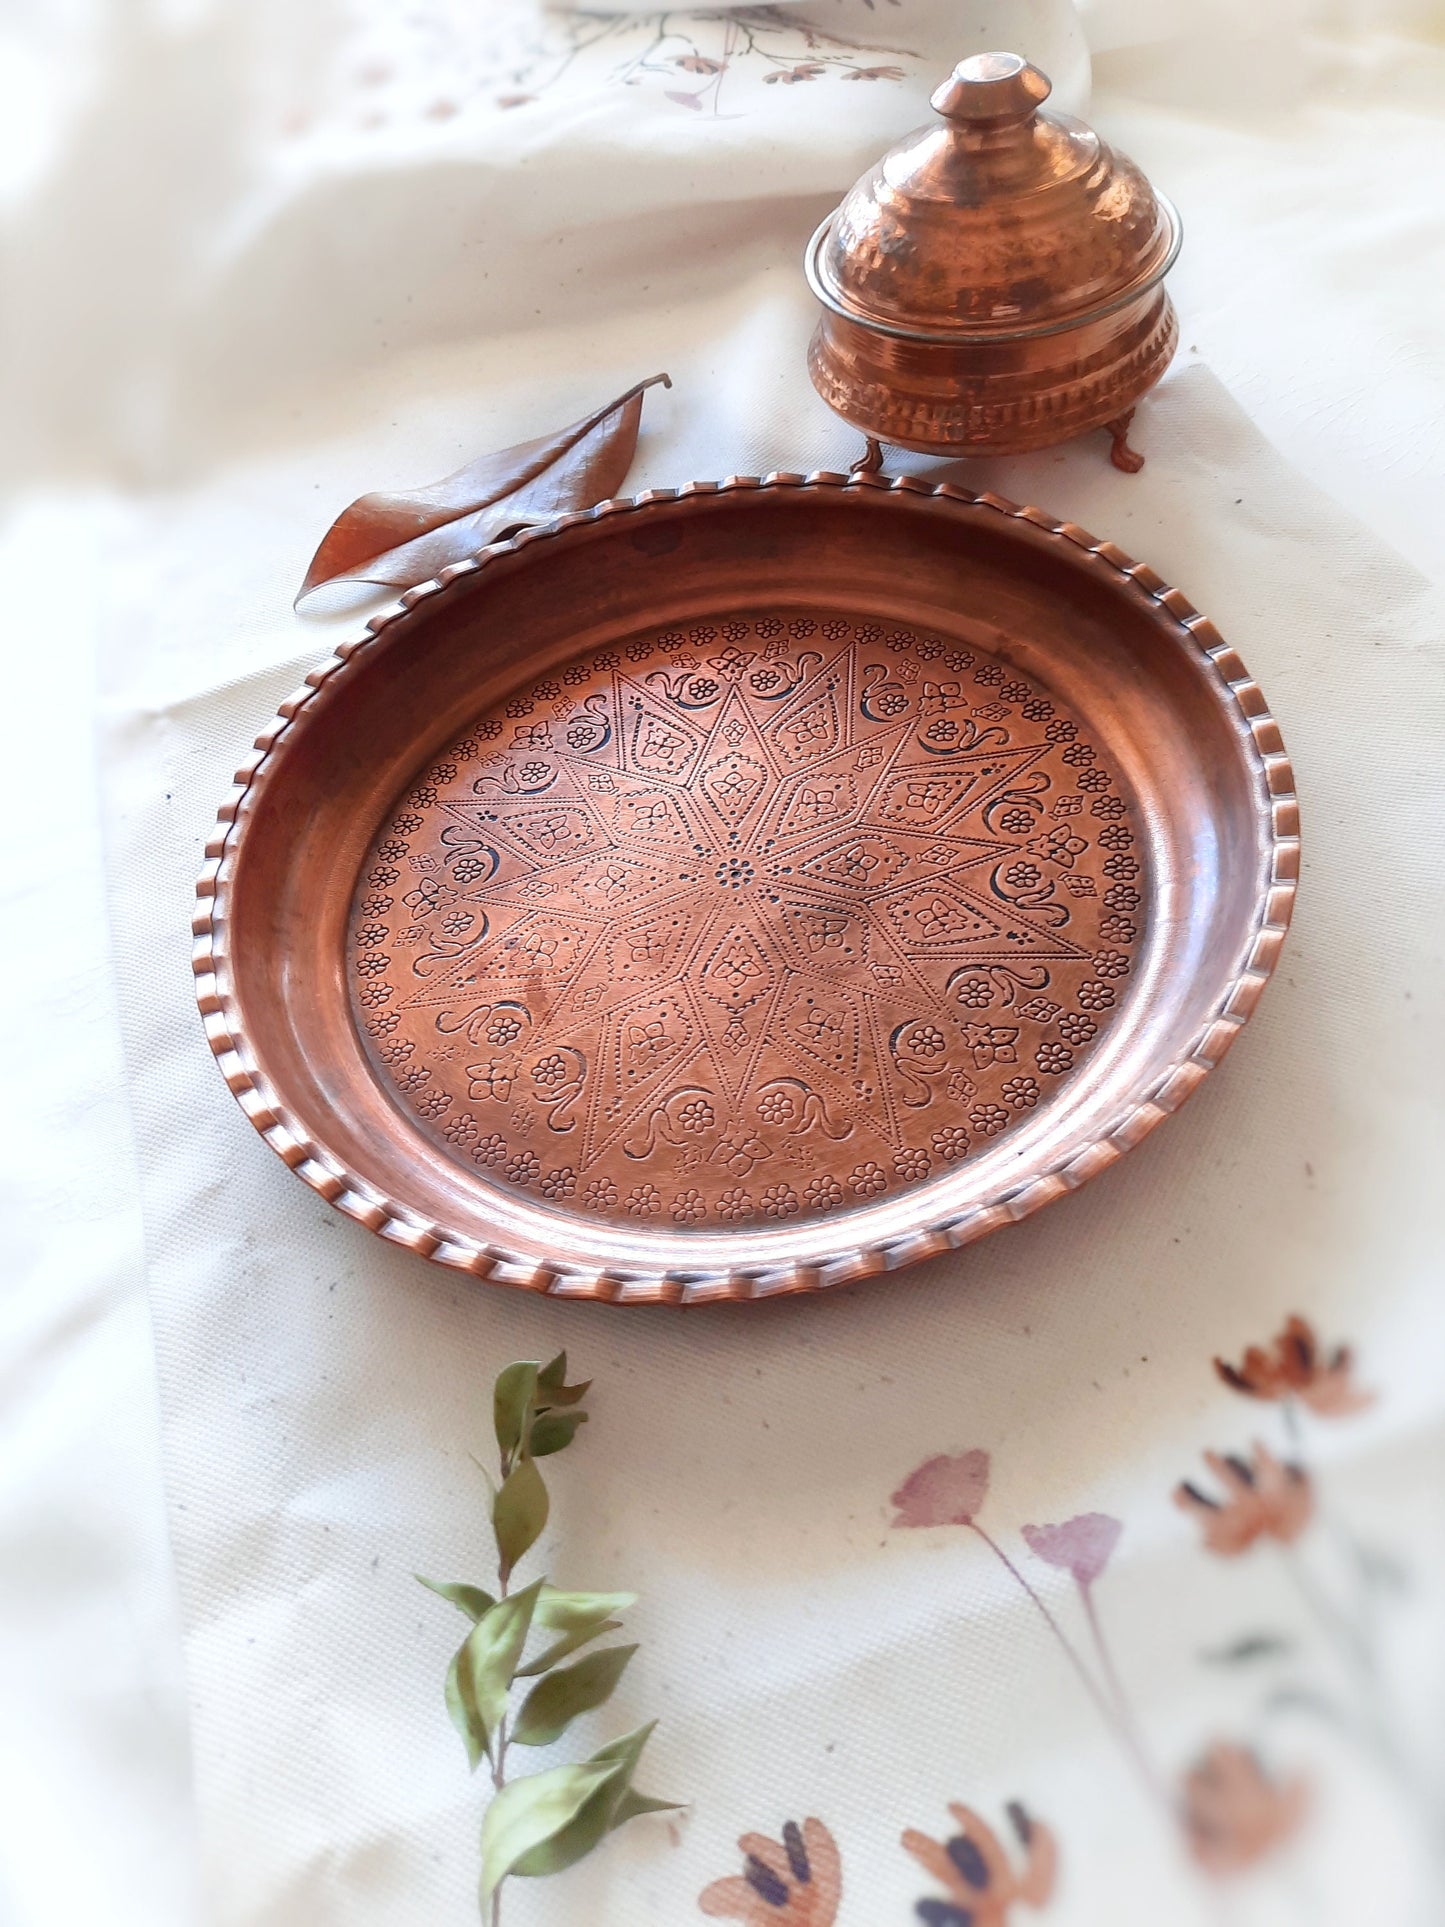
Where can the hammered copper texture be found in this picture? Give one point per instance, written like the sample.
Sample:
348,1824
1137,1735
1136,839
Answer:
994,283
960,637
748,919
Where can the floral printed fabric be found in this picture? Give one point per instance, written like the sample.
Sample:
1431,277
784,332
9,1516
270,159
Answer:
1225,1810
808,1659
514,57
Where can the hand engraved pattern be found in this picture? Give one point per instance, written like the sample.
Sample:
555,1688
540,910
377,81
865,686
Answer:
771,915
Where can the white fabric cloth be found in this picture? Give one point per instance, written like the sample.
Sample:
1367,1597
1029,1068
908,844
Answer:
262,274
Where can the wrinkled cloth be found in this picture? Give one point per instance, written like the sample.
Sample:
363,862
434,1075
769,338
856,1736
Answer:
274,257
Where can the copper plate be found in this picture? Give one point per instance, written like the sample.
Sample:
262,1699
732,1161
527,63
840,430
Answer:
740,890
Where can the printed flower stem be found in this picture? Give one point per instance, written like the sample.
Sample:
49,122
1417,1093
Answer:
1375,1726
1360,1634
1357,1657
729,48
1128,1719
580,45
1350,1639
1114,1717
1345,1637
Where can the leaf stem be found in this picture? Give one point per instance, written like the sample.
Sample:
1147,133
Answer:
499,1762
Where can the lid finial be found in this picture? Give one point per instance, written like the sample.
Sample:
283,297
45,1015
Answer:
994,87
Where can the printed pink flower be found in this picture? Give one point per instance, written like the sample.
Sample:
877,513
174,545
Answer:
1082,1546
944,1491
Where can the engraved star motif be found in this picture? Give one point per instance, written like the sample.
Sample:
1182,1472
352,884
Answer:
757,912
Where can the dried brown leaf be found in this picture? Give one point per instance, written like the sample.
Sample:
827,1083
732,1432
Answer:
406,538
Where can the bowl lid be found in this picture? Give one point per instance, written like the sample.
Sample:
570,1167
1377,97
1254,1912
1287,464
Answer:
999,219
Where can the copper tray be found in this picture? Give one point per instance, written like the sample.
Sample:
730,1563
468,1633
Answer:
740,890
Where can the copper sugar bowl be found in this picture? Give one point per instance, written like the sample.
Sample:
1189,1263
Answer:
995,283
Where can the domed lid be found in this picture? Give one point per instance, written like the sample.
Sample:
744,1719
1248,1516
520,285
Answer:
999,220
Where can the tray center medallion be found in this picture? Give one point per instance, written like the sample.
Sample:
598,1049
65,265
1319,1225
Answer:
767,916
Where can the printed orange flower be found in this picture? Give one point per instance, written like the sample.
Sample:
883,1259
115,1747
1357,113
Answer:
793,1882
790,76
1293,1366
944,1491
976,1869
1235,1812
1264,1498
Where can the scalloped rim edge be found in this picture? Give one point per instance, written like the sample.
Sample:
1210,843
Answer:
327,1175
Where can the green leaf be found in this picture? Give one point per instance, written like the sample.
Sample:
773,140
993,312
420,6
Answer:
463,1711
519,1512
552,1820
559,1610
513,1398
471,1599
568,1643
578,1617
488,1660
634,1804
552,1386
547,1821
557,1700
554,1431
552,1374
628,1749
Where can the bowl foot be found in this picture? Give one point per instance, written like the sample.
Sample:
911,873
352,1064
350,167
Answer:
1120,453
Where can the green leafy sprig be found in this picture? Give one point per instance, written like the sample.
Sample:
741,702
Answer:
543,1822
